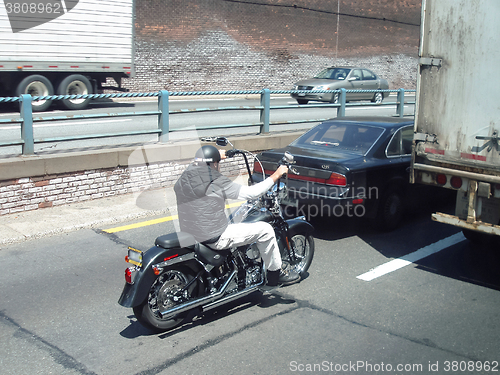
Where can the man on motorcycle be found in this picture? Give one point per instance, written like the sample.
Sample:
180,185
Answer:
201,193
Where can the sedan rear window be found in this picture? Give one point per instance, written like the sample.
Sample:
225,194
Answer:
342,136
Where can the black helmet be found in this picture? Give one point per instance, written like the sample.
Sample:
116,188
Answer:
207,154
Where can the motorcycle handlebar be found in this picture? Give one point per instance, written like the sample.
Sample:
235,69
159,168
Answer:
286,162
222,141
231,153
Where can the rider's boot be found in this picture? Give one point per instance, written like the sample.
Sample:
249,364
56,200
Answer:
282,277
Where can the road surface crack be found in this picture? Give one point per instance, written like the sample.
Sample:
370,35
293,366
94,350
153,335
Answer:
58,355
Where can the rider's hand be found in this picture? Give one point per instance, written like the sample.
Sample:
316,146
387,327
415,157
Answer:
282,169
222,154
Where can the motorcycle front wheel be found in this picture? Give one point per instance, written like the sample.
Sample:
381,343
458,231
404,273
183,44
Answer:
302,247
161,295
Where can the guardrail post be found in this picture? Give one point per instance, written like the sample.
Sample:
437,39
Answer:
341,109
265,102
163,115
26,112
400,108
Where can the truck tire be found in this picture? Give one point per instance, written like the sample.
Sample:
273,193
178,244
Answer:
75,84
36,85
479,238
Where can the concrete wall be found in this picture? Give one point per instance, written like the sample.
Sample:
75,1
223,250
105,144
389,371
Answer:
37,182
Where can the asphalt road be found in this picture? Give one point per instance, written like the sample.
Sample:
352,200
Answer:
434,315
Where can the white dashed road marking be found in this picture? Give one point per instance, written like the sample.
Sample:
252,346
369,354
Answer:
396,264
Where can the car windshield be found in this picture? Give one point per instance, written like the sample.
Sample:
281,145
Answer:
357,138
333,73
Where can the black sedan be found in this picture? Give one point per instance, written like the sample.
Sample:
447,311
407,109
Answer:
350,166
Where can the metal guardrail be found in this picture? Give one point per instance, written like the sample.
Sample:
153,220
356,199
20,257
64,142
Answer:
26,119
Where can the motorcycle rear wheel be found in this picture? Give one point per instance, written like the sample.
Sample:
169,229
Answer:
303,248
160,294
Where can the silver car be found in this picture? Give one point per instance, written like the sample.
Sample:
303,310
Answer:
349,78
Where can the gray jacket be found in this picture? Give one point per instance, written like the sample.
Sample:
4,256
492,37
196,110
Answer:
201,193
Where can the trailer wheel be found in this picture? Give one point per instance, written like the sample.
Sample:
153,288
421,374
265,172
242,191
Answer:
75,84
479,238
36,85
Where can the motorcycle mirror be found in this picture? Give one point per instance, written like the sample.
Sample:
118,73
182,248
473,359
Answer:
221,141
288,157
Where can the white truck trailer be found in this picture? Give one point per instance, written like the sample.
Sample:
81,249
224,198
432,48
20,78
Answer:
457,118
65,47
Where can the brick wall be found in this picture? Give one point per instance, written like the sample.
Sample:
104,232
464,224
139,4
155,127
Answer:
27,194
198,45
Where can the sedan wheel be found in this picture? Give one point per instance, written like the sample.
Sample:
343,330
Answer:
302,101
389,212
378,97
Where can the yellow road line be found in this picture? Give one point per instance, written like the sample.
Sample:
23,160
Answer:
156,221
141,224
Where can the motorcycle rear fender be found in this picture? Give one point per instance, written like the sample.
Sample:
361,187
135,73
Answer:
134,294
299,225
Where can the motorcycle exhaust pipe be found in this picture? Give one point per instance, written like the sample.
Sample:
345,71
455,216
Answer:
170,313
232,297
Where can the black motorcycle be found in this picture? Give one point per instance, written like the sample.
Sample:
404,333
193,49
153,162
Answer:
179,276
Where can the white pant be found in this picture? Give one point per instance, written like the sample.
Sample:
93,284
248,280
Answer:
261,233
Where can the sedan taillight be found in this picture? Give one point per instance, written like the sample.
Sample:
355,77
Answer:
337,179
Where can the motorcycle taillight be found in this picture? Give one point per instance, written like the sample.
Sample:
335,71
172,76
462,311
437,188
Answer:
129,275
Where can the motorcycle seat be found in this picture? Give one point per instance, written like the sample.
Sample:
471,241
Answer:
186,240
176,239
210,256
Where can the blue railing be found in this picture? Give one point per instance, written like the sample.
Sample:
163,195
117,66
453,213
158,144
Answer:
26,118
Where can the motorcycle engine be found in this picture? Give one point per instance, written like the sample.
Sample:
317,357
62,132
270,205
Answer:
254,275
253,252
